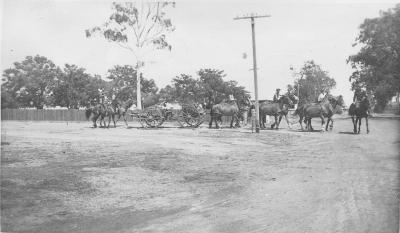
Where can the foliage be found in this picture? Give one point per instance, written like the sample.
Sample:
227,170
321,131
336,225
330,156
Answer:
29,83
75,88
209,87
377,64
138,27
123,83
313,80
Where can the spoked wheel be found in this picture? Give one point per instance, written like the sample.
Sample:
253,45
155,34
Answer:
152,117
190,116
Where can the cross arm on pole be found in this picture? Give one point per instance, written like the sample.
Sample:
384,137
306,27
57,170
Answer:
251,16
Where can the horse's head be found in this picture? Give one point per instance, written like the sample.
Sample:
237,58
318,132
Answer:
336,100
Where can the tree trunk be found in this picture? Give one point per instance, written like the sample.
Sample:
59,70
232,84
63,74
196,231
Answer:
138,87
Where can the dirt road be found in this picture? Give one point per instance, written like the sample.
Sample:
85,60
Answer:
72,178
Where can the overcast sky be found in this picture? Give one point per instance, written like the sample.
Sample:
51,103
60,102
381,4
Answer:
206,36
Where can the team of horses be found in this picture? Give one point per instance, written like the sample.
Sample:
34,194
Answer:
238,111
111,111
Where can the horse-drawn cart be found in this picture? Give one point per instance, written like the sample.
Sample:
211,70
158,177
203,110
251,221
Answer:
187,115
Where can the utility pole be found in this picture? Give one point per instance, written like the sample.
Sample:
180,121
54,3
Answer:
252,17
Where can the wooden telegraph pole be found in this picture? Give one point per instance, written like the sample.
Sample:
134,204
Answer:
252,17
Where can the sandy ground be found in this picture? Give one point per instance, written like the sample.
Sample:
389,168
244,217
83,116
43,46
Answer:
72,178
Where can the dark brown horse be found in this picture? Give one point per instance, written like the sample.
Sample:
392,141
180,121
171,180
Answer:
229,108
100,112
96,111
359,110
121,108
326,109
279,109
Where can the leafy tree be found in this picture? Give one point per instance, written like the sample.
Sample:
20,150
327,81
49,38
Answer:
92,88
29,83
168,93
209,87
124,85
187,89
377,64
212,85
313,80
137,27
215,90
71,90
8,99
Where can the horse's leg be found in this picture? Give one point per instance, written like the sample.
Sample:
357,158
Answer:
279,121
232,119
287,121
124,117
276,122
354,124
113,117
301,122
327,124
101,121
359,124
322,123
366,123
94,119
261,121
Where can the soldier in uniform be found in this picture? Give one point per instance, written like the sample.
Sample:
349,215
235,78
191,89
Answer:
359,95
321,96
277,95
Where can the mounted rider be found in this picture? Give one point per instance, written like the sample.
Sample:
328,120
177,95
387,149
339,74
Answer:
293,97
114,102
277,96
360,95
322,96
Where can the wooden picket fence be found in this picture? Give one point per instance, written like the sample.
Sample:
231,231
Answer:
43,114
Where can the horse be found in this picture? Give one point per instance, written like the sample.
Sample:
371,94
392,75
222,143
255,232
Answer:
100,111
281,108
121,108
229,108
326,109
359,110
96,111
109,112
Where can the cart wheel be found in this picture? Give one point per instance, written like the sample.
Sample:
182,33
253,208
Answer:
153,117
190,116
181,119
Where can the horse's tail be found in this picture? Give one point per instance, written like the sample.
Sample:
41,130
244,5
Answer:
88,112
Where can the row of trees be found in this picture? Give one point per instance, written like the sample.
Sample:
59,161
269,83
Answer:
38,82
